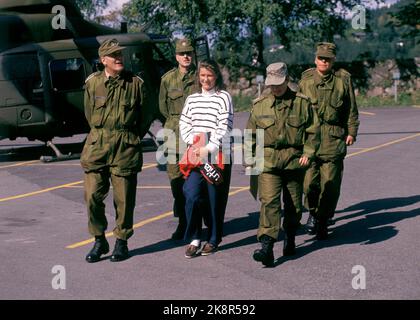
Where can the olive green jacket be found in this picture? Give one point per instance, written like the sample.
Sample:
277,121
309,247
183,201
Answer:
291,129
333,98
175,87
113,111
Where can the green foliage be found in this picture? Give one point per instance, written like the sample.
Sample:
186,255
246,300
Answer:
238,29
403,100
242,103
91,8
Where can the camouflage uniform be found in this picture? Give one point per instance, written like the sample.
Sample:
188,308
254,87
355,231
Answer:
113,148
333,97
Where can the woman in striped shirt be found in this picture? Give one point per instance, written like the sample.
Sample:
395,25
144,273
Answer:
208,112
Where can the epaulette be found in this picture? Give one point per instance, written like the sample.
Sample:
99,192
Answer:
138,77
301,95
308,73
92,75
342,73
169,72
256,100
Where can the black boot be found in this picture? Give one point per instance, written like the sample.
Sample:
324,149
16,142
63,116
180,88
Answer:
100,247
180,229
289,244
322,230
265,254
311,225
120,252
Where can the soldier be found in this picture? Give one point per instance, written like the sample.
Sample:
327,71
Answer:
175,87
290,140
331,93
112,151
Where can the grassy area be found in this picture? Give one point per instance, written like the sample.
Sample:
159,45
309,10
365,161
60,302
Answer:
244,103
404,99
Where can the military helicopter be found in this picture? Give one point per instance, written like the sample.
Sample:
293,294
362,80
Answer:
43,68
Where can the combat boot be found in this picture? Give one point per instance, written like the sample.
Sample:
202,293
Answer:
265,255
120,252
180,229
322,230
289,244
311,224
100,247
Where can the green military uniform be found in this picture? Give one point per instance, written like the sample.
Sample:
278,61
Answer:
175,87
290,131
333,97
113,148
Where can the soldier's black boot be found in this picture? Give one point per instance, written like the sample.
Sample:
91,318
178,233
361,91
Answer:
120,252
100,247
180,229
311,224
289,244
322,230
265,255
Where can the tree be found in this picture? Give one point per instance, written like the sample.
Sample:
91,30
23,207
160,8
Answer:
238,28
91,8
408,16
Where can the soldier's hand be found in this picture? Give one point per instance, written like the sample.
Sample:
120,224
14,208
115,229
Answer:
304,161
349,140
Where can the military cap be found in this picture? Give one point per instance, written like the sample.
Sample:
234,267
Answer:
108,47
326,49
183,45
276,74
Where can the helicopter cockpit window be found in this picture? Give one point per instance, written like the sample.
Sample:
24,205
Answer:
67,74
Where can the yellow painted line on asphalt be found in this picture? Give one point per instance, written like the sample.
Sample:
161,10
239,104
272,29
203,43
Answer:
20,164
142,223
67,185
367,113
383,145
40,191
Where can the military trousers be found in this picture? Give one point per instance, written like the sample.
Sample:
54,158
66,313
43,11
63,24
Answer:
271,185
97,185
322,187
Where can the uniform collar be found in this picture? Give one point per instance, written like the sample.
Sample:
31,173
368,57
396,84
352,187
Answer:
116,81
285,101
319,78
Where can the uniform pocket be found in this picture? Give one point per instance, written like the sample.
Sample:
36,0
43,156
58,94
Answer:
337,132
333,112
176,101
98,112
265,122
295,131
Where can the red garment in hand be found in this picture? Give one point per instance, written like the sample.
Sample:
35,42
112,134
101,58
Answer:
190,161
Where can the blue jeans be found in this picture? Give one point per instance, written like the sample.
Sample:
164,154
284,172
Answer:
195,189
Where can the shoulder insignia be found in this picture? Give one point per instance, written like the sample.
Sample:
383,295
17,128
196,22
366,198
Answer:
169,72
92,75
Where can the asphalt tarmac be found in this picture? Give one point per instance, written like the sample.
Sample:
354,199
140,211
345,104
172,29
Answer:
372,253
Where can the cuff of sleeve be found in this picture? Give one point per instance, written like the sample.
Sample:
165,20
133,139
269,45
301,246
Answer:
352,132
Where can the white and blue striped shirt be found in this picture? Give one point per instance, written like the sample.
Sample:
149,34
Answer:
208,112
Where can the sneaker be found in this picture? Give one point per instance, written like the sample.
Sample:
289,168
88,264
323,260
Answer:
191,252
208,249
